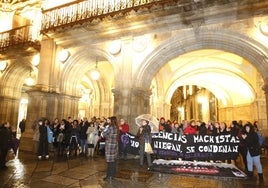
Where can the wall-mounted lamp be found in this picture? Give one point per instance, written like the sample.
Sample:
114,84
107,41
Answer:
114,47
64,55
3,65
95,74
36,60
264,27
30,81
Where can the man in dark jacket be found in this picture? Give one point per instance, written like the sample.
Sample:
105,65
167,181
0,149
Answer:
5,139
22,125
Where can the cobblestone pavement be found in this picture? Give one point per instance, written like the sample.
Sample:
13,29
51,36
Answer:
25,170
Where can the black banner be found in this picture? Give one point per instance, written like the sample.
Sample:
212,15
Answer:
190,147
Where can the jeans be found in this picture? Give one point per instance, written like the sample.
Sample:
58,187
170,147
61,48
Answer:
84,146
148,156
254,160
122,150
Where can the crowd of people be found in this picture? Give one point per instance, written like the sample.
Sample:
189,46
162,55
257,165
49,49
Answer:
72,137
251,140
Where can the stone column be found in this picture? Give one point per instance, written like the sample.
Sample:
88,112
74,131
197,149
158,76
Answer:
265,89
45,99
9,110
123,82
41,104
48,105
130,103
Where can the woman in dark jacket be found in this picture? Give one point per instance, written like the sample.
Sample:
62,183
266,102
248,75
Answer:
5,139
144,135
253,151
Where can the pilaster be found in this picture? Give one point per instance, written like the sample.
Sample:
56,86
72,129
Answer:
9,110
130,103
46,104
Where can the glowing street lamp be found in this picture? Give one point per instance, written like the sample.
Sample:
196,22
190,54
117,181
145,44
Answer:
95,74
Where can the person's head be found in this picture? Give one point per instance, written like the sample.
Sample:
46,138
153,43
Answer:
162,120
199,122
122,121
56,120
40,122
47,122
248,127
113,121
63,122
108,120
70,119
144,122
6,124
75,122
234,123
176,125
217,124
222,125
192,123
84,119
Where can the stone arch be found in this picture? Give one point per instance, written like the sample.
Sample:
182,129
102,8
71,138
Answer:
225,40
77,66
13,78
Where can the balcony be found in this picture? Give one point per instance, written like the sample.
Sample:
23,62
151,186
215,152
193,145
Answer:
17,38
77,13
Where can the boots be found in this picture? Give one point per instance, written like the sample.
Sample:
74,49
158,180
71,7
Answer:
260,177
250,174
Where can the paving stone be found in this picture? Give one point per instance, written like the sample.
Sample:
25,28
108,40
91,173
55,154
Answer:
26,171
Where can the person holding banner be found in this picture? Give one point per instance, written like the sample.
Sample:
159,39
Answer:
145,138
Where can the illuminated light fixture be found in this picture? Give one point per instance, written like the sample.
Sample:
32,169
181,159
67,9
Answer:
264,27
3,65
36,60
64,55
115,47
30,81
95,74
24,101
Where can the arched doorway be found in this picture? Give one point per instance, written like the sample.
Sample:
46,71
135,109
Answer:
247,59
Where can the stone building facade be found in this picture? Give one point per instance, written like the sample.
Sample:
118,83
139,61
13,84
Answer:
143,56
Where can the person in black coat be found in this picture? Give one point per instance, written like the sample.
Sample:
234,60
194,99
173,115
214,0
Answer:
253,151
22,125
5,140
43,140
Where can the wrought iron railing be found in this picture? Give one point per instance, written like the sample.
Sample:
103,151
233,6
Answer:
17,37
75,13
